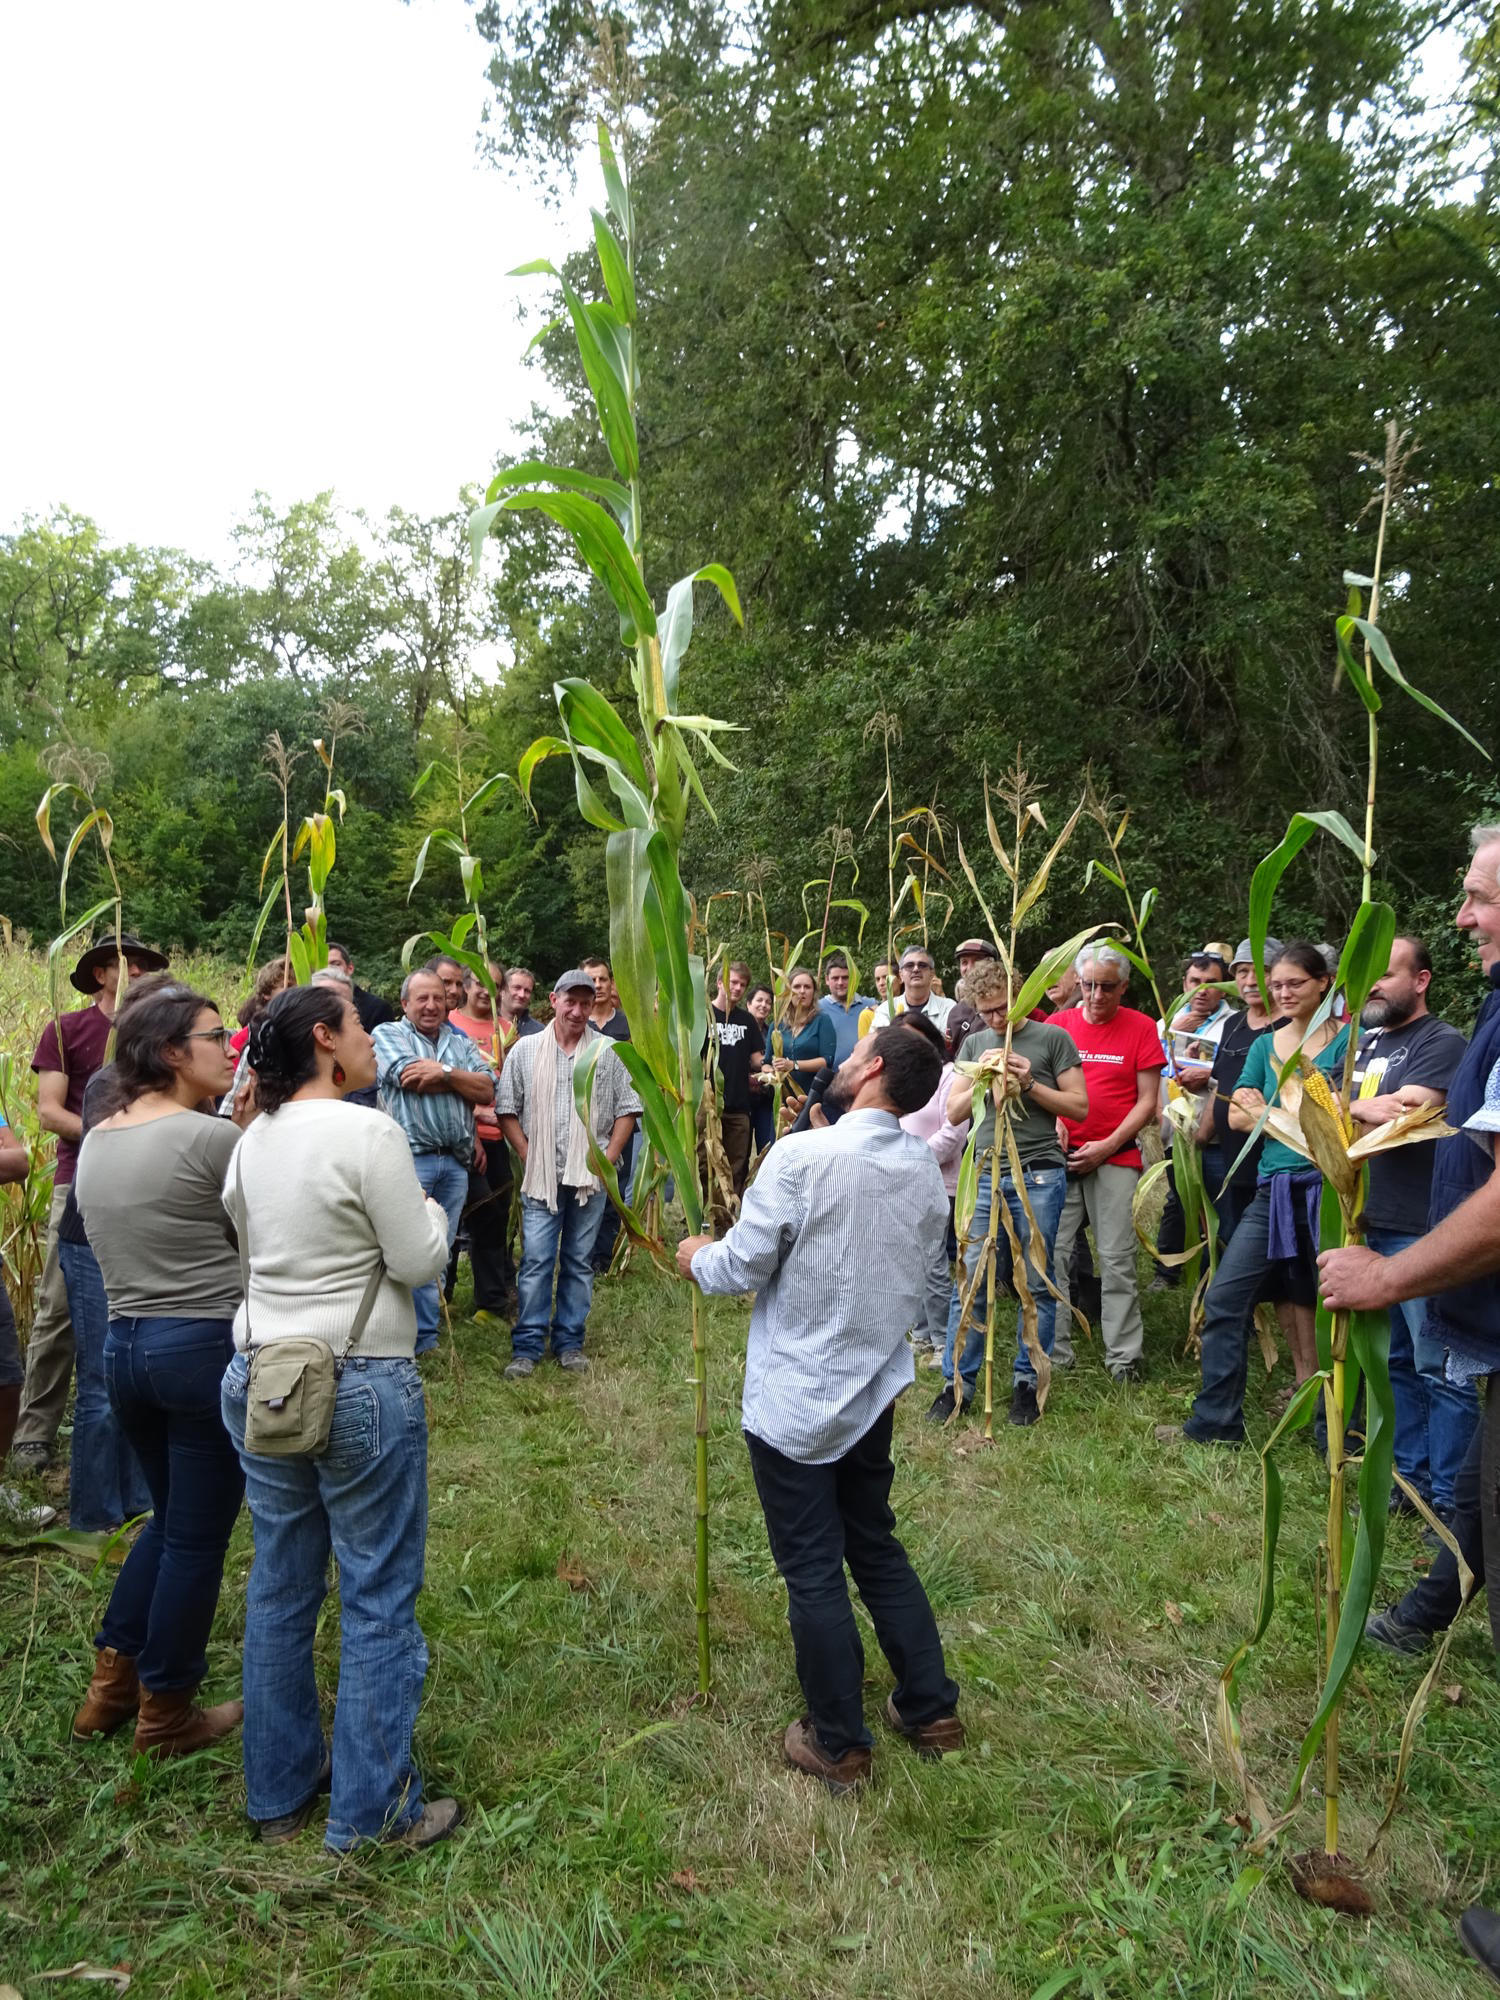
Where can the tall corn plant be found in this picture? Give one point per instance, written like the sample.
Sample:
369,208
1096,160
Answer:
635,790
78,773
1315,1122
454,943
307,942
990,1074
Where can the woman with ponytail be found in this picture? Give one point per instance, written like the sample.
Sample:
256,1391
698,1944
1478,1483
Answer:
149,1187
326,1202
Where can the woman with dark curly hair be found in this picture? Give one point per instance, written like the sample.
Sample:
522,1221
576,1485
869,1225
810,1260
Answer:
150,1190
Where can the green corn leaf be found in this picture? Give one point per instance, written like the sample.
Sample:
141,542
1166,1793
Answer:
627,879
601,545
967,1196
1363,686
1268,873
297,952
272,850
723,582
44,814
1038,881
1369,1342
462,926
583,1100
664,1131
1046,974
616,272
423,778
1102,868
674,631
260,924
605,369
592,724
1366,955
535,754
99,818
1379,645
614,182
482,794
536,472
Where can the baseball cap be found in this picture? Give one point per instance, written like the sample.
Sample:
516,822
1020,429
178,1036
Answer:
573,982
1245,956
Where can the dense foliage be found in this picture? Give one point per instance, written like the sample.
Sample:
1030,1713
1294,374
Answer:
1021,354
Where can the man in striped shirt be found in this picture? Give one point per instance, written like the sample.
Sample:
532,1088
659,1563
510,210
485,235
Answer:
835,1239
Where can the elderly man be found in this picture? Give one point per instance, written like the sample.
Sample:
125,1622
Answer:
71,1050
431,1077
562,1199
1122,1063
841,1006
835,1239
916,991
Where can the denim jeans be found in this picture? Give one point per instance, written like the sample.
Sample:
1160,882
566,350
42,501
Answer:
1218,1415
163,1380
447,1181
105,1483
819,1517
1046,1190
560,1244
1434,1420
365,1500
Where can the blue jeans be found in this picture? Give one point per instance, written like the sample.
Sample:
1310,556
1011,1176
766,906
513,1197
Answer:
366,1500
1046,1190
560,1244
105,1483
163,1380
447,1181
1434,1419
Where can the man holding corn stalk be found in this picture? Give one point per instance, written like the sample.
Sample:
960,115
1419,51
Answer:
835,1239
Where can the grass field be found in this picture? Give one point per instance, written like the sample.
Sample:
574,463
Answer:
622,1841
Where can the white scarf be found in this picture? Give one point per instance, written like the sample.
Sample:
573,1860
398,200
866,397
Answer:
540,1179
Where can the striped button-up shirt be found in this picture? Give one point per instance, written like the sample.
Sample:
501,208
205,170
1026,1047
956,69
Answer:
836,1236
438,1121
612,1097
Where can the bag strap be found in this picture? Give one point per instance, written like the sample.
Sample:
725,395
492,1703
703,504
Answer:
367,1301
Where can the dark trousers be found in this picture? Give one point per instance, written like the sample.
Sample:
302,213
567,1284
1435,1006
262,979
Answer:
1219,1409
1433,1603
486,1217
163,1377
819,1517
1171,1234
609,1228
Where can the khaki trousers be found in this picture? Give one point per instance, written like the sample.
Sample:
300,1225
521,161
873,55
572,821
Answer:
49,1346
1103,1200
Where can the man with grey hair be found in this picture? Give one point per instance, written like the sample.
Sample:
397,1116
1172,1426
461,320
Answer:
430,1078
1122,1063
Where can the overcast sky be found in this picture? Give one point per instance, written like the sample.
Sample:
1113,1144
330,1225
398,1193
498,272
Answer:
254,246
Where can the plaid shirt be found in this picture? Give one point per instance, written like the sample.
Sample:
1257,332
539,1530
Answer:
438,1121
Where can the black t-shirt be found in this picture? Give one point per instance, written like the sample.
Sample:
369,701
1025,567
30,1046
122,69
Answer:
1235,1043
739,1039
373,1012
616,1027
1426,1051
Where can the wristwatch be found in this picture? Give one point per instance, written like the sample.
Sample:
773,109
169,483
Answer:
447,1069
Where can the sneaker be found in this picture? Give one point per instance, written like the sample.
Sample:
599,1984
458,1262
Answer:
31,1457
1393,1634
23,1513
482,1316
1401,1504
1023,1409
574,1360
439,1819
943,1405
1162,1282
1128,1377
520,1368
1479,1933
929,1739
804,1752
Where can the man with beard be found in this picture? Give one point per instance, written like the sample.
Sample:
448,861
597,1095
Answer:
1407,1058
836,1236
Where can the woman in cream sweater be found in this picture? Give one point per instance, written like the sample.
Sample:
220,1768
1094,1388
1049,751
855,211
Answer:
321,1191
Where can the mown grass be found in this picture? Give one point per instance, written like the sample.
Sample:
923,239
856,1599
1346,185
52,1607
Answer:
622,1841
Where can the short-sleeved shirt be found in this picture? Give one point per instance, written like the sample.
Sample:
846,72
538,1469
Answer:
1259,1073
1113,1057
739,1038
1229,1061
1051,1052
1423,1052
85,1033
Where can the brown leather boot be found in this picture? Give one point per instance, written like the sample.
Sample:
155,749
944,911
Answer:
113,1697
173,1725
928,1739
804,1752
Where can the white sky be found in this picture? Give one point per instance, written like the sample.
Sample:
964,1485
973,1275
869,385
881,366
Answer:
254,246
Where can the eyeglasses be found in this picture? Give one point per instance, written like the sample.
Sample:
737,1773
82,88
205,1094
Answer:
223,1036
996,1013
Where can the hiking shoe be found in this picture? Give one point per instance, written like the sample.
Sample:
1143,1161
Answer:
574,1360
1393,1634
804,1752
519,1369
31,1457
1401,1504
273,1832
1130,1376
17,1511
435,1822
1023,1409
929,1739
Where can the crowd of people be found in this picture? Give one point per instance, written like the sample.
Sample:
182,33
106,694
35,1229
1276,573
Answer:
200,1271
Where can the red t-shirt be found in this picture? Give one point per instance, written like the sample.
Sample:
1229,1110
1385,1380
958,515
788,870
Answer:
84,1034
485,1038
1113,1057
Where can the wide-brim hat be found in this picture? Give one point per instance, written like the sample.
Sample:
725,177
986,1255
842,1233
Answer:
82,975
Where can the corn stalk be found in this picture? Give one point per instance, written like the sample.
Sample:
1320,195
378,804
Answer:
307,943
454,942
1314,1121
635,790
